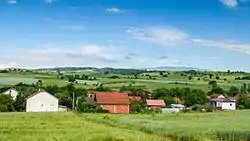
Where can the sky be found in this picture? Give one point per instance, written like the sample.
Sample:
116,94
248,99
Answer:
207,34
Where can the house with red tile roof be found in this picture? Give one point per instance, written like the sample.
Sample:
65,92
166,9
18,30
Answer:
155,104
114,102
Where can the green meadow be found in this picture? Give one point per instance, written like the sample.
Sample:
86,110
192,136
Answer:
69,126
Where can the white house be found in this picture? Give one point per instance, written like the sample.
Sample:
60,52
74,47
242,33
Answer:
223,103
12,92
178,106
42,101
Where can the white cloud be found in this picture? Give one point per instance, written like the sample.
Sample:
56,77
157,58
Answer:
114,10
76,27
244,48
12,1
158,35
53,55
49,1
230,3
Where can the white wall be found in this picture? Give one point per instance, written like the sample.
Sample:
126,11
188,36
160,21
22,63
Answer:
12,92
228,105
42,102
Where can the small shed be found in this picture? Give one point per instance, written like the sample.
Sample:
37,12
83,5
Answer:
178,106
155,103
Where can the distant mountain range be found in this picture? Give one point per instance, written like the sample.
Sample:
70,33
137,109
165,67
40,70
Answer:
160,68
172,68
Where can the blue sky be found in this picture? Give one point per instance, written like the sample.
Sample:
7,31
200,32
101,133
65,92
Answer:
209,34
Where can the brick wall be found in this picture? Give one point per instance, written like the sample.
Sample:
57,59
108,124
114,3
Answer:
121,109
110,108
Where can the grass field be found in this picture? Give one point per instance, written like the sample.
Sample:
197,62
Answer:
63,127
232,126
173,79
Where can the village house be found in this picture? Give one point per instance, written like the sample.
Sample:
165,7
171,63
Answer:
221,102
155,104
114,102
42,101
12,92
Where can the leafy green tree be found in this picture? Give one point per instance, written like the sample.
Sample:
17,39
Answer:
195,97
217,77
210,76
52,89
244,88
213,83
248,88
20,102
137,106
233,91
190,77
216,90
161,73
6,103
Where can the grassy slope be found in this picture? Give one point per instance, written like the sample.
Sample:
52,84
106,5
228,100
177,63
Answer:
193,124
62,127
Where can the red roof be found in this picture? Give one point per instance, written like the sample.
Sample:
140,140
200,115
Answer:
158,102
111,98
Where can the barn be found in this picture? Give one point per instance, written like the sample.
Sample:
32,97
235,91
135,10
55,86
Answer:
114,102
41,101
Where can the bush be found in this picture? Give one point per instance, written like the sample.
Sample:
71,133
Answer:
90,108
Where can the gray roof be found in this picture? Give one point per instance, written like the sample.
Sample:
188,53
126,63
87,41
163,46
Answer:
221,100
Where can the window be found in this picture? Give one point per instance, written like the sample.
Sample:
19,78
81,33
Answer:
41,105
231,104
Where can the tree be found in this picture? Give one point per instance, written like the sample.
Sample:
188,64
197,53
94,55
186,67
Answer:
216,90
6,103
77,76
212,83
244,88
217,77
52,89
228,71
248,88
210,76
161,73
20,102
195,97
233,91
190,77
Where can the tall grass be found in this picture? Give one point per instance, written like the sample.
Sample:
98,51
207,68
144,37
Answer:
229,126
